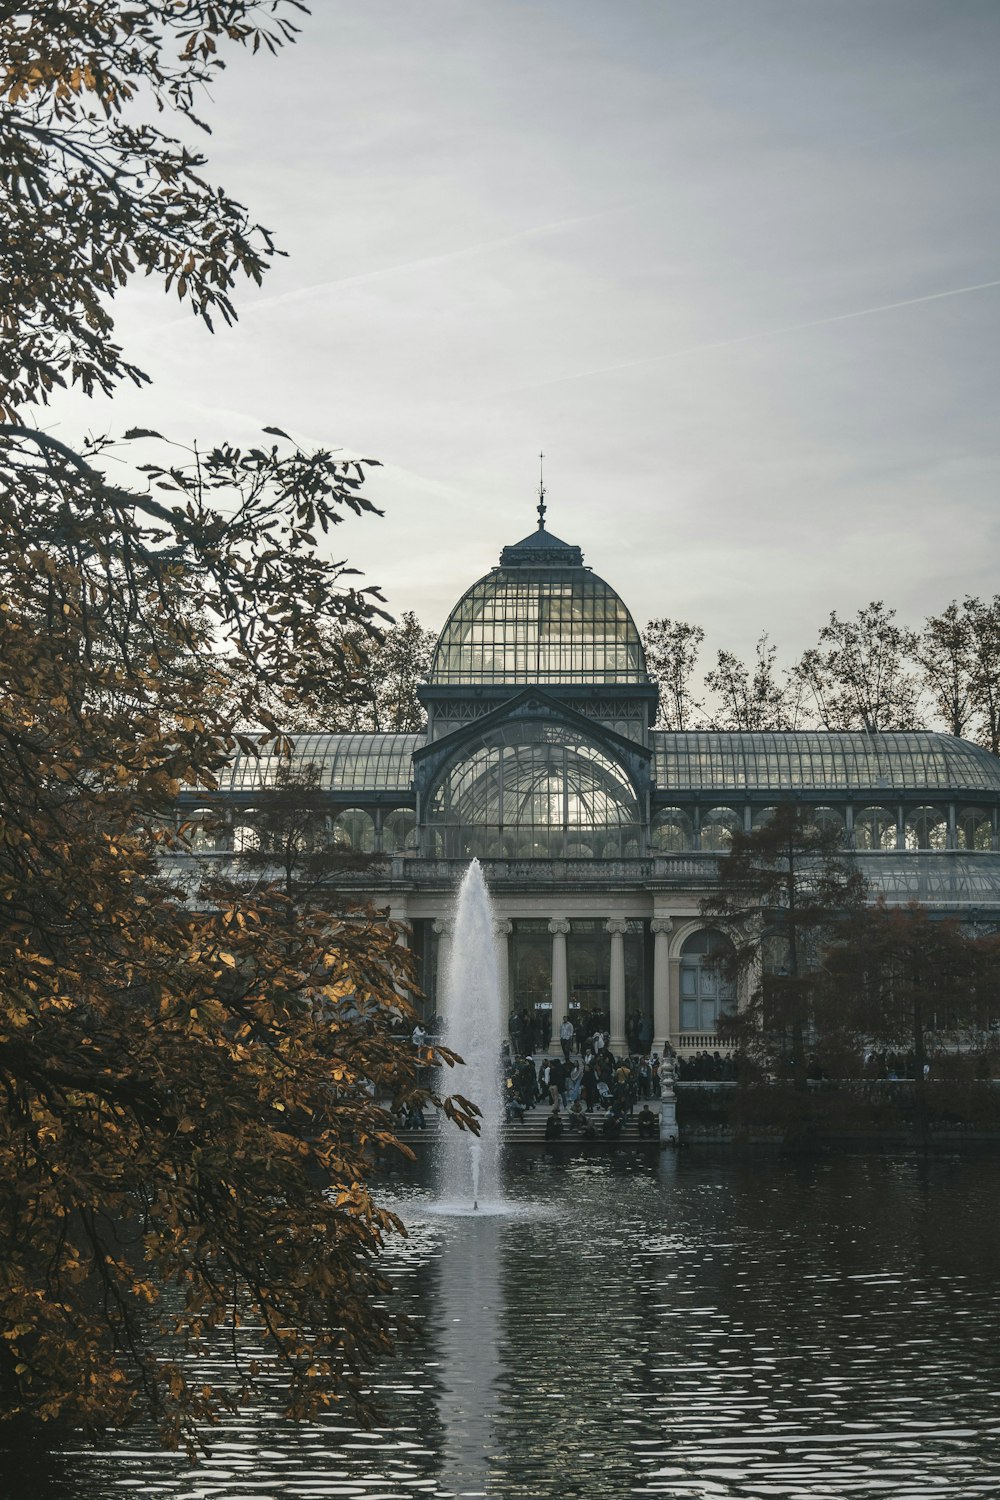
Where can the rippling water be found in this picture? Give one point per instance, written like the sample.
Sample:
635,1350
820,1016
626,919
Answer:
702,1327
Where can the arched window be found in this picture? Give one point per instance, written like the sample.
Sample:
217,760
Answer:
354,829
717,828
875,828
927,828
536,791
763,816
399,830
829,819
206,831
975,829
672,831
246,834
705,992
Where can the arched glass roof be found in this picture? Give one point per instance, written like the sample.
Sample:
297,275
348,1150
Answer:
546,792
700,761
541,617
345,763
820,760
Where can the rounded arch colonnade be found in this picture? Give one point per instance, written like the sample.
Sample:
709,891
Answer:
868,827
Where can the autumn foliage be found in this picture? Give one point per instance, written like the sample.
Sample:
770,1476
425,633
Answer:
193,1079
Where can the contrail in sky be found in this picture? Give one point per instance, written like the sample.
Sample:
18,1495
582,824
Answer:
442,258
422,263
763,333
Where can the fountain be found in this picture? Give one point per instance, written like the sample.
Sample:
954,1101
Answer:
473,1027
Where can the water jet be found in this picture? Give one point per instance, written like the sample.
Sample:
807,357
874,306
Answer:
474,1018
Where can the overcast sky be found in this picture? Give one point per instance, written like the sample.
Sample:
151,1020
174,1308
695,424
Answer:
724,260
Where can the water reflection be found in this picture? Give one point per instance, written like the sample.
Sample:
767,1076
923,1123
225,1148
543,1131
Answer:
703,1327
467,1321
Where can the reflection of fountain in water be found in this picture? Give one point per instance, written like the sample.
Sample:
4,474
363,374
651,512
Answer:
469,1167
467,1346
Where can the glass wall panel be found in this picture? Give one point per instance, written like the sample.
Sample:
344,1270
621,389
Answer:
399,830
206,830
545,625
975,829
821,760
927,828
588,958
672,831
332,762
705,992
548,794
354,829
246,837
875,828
530,961
638,982
717,828
829,819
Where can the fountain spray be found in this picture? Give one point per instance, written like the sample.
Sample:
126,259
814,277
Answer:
474,1023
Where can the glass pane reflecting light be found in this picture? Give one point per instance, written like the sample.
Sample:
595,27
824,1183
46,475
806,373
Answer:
339,763
548,794
539,625
824,760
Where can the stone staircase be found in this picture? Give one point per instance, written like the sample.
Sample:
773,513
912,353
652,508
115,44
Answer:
529,1133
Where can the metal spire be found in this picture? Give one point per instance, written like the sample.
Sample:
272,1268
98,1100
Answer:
541,492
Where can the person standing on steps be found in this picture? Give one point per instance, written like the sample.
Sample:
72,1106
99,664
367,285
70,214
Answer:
557,1081
566,1034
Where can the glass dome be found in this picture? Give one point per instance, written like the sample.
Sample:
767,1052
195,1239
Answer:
540,617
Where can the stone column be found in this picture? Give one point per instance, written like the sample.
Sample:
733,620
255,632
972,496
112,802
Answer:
661,928
442,926
558,927
616,926
502,928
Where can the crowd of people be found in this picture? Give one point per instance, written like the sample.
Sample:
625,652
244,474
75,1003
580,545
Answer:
589,1090
578,1121
706,1067
529,1030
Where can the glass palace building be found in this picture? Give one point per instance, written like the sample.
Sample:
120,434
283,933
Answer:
599,835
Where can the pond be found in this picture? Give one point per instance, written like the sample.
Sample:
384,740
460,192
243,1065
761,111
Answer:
699,1326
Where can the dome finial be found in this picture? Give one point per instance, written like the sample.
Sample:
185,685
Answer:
541,492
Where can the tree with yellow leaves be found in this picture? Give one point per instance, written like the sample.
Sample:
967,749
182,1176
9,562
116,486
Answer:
187,1122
